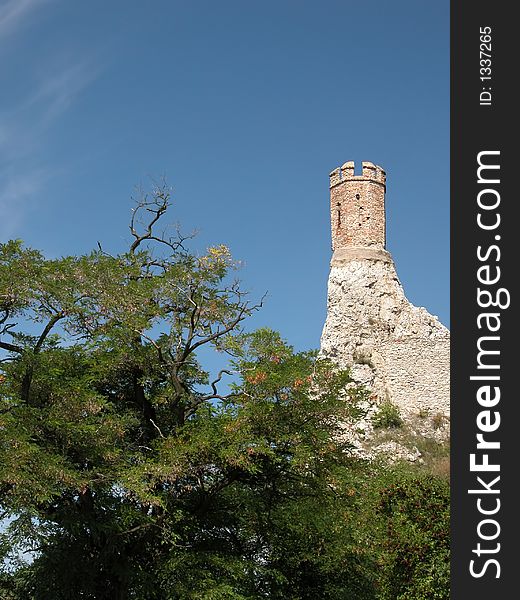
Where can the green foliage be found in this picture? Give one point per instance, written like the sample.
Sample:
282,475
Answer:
128,471
417,544
387,416
404,522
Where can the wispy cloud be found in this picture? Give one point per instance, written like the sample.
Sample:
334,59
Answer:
24,133
26,122
15,192
23,127
15,13
59,89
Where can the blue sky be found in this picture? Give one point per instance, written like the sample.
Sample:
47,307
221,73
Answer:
244,107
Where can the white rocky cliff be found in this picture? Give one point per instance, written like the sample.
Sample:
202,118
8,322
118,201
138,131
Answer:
399,351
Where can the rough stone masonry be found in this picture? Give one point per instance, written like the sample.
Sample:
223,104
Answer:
399,351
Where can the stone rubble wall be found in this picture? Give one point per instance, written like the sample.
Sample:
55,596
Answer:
398,350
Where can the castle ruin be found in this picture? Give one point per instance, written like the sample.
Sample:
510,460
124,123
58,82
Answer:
399,351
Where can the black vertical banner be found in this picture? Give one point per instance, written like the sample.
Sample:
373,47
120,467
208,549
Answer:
484,400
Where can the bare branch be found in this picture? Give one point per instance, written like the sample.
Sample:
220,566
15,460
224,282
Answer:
27,378
157,428
153,343
194,320
219,377
155,207
104,252
5,329
196,403
161,203
53,320
213,396
244,311
11,347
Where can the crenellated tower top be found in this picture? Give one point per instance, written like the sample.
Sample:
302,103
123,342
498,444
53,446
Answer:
357,208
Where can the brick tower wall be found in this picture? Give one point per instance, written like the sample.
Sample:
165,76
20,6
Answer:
357,205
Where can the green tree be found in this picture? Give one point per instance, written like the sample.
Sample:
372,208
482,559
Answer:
128,471
404,522
416,546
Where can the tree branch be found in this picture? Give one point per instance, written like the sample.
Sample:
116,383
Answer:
156,206
156,427
157,212
11,347
214,396
27,378
244,311
219,377
153,343
52,321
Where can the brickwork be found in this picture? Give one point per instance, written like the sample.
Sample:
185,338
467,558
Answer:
357,206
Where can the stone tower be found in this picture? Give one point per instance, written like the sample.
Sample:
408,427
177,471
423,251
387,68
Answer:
399,351
357,207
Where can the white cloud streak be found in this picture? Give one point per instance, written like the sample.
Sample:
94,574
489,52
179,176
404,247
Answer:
15,13
58,90
26,123
15,192
23,133
22,129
